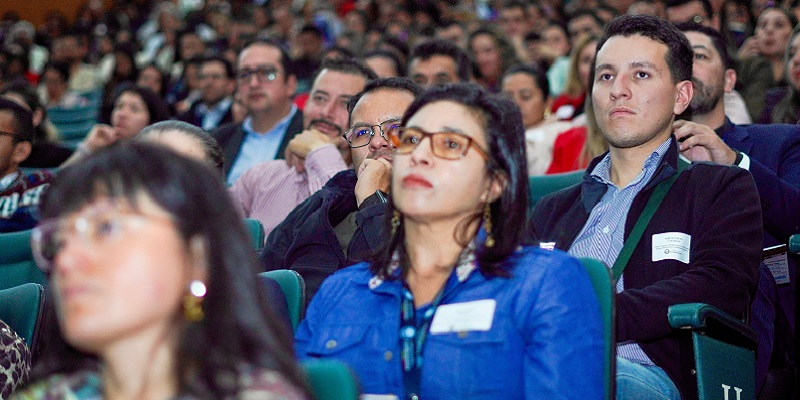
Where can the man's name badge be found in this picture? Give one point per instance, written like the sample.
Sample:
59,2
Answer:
671,246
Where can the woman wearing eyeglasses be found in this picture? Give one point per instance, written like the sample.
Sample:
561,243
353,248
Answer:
152,278
452,306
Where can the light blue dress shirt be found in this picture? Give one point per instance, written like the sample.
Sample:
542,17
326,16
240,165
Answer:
603,235
259,147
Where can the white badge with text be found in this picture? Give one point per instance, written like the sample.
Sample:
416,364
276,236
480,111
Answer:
463,317
672,246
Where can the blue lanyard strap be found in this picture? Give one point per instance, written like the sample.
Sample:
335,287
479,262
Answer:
412,339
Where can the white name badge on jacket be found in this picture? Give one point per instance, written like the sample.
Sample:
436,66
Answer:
671,246
462,317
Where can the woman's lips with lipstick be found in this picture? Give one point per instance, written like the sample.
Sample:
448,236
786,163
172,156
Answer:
416,181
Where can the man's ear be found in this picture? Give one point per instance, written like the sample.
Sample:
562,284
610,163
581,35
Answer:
730,80
21,152
683,97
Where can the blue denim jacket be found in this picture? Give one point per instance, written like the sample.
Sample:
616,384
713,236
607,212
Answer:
545,340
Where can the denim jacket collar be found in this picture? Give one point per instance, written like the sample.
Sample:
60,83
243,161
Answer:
465,265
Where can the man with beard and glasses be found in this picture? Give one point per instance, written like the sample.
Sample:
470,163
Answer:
342,223
770,152
269,191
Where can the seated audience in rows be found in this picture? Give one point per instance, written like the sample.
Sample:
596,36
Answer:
783,104
438,62
584,23
19,192
514,21
217,84
134,108
643,79
529,89
154,79
266,84
54,80
152,279
46,151
761,58
124,74
491,54
537,330
770,152
569,105
342,222
701,12
384,63
554,49
269,191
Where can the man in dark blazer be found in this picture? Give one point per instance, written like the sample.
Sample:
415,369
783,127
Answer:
217,84
702,243
770,152
266,85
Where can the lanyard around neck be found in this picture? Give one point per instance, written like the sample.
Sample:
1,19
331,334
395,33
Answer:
413,332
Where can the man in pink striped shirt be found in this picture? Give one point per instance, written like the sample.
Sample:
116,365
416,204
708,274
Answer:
269,191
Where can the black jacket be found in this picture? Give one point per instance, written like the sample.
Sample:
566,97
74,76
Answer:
193,117
718,206
306,242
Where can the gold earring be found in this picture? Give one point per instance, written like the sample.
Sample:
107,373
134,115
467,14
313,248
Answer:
193,302
395,221
487,225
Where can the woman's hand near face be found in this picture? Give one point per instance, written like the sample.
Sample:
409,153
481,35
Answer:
749,49
373,175
100,136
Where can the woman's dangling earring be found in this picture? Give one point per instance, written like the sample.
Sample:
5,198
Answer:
395,221
193,302
487,225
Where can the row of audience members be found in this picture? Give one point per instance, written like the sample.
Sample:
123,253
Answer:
356,185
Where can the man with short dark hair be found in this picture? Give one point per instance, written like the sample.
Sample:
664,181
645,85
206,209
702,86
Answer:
584,23
217,83
19,193
342,222
696,247
513,19
266,84
438,62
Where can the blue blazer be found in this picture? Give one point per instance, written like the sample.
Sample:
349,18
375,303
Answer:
774,152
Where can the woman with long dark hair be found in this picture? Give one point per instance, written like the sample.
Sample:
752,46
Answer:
153,280
453,306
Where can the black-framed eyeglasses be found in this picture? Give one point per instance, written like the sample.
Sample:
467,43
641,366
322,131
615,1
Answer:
262,75
447,144
360,136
